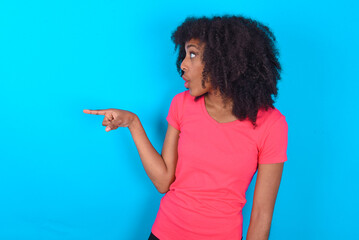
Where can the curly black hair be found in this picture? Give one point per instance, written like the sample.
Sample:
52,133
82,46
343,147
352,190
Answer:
240,60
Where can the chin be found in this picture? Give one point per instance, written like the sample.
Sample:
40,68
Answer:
193,93
196,93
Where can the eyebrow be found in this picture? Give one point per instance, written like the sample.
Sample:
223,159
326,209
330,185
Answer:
191,45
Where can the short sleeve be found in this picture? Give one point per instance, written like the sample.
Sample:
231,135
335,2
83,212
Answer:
173,117
273,147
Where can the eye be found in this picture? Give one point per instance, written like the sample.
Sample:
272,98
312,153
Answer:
192,54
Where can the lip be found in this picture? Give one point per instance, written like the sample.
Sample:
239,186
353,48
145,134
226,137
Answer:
186,82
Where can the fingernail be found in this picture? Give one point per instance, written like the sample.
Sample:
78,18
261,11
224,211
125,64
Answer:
108,129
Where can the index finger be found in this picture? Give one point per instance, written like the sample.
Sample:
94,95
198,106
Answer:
96,112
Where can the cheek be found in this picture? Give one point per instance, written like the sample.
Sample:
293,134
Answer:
199,76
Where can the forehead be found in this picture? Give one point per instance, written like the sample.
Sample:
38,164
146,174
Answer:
195,43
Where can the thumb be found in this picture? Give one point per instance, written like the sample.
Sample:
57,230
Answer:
108,128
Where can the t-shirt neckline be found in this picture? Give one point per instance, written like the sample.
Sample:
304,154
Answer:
205,112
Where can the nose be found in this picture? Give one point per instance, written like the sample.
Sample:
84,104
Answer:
184,66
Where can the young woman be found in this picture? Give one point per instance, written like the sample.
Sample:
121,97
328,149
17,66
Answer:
221,131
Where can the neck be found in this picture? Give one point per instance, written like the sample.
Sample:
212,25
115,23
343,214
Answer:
217,101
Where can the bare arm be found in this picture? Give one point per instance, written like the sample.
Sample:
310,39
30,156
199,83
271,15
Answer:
265,194
159,168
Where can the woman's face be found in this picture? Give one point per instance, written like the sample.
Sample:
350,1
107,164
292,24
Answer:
192,67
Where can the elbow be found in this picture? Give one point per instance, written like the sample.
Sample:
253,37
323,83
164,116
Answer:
163,190
165,186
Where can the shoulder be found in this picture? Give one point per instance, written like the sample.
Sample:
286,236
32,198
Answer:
268,118
272,137
177,108
182,97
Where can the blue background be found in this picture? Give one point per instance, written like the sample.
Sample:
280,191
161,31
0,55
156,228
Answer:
63,177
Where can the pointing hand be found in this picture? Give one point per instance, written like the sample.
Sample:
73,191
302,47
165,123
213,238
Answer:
114,118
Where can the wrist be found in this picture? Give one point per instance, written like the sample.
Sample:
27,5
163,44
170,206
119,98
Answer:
134,122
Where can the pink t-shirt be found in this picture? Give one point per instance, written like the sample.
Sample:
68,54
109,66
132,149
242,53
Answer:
216,163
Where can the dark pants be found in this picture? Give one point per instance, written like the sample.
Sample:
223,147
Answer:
153,237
